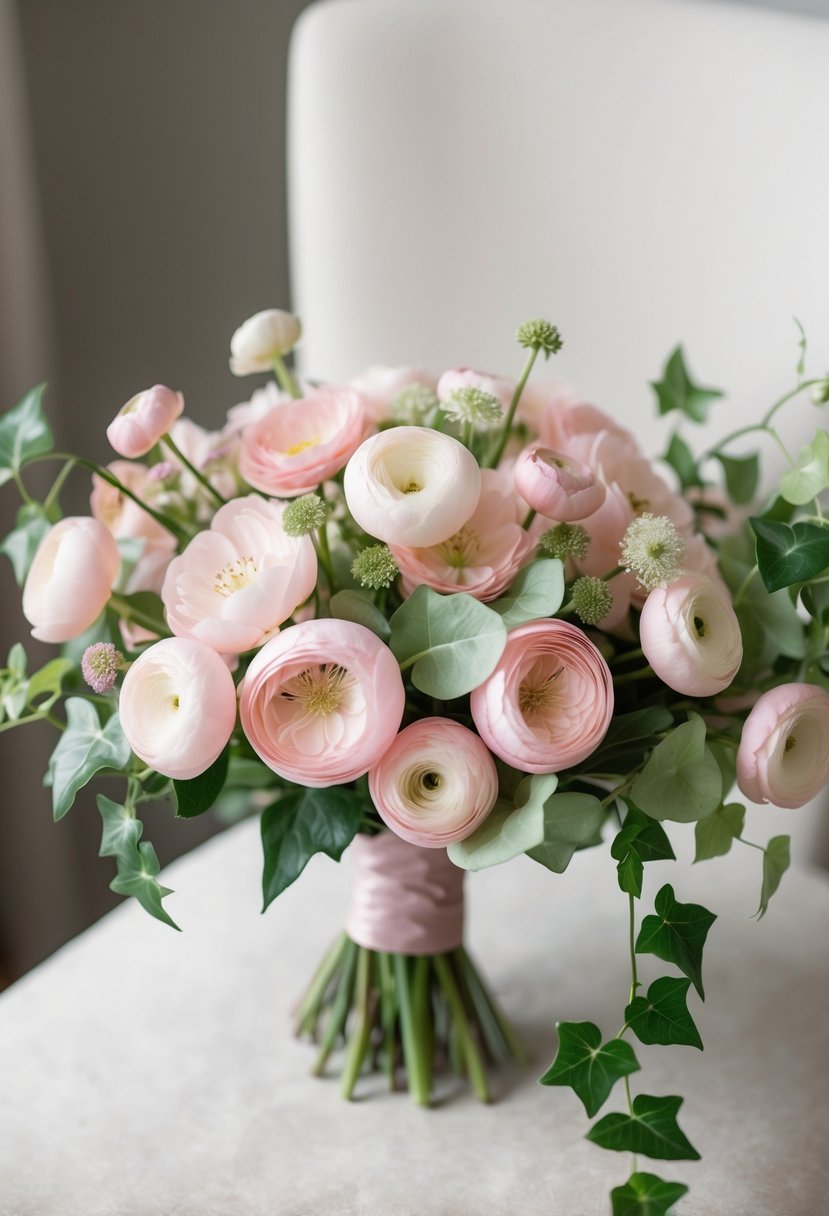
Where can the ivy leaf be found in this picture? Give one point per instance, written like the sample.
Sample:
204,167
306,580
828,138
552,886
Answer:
47,683
197,795
716,834
630,869
451,642
662,1016
645,1195
652,844
628,736
677,391
776,861
137,875
681,781
789,553
537,592
681,459
810,476
742,476
510,829
358,607
121,829
570,821
299,824
21,544
84,748
24,434
652,1130
676,934
585,1066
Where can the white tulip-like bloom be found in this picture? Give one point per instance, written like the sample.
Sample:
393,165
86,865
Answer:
71,578
691,636
178,707
262,338
412,486
436,783
783,757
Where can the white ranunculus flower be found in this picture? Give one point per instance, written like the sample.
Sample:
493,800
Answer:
412,486
691,636
261,339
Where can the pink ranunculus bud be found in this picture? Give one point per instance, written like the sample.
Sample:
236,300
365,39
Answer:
322,701
783,757
557,486
467,377
299,444
691,636
548,703
145,418
412,486
71,579
236,583
178,707
262,338
483,557
435,784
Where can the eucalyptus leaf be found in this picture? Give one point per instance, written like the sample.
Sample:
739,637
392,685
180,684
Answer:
662,1016
585,1066
645,1195
716,834
676,934
359,607
24,434
302,822
84,748
681,780
197,795
651,1129
21,544
677,391
776,861
810,476
789,553
511,828
452,643
571,820
537,592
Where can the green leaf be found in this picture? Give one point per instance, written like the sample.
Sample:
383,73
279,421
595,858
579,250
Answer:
677,391
451,642
197,795
628,736
715,835
801,361
677,934
24,434
776,861
299,824
652,1130
137,875
645,1195
742,476
537,592
662,1016
121,830
510,829
47,683
652,844
359,607
570,821
585,1066
681,781
630,869
681,459
810,476
84,748
789,553
21,544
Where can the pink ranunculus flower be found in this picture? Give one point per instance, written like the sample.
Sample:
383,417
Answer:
237,582
556,485
299,444
467,377
548,703
145,418
783,757
126,520
378,387
435,784
71,578
322,701
261,402
412,486
559,414
483,557
178,707
691,636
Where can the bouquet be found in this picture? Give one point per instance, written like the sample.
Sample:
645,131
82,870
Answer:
446,621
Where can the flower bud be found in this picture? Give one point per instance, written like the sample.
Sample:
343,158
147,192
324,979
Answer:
140,424
557,486
262,338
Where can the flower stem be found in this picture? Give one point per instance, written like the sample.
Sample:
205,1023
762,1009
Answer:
417,1067
309,1006
471,1055
530,516
358,1044
286,378
763,425
503,438
129,613
169,442
629,676
339,1010
57,485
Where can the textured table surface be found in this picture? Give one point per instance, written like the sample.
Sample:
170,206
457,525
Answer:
144,1071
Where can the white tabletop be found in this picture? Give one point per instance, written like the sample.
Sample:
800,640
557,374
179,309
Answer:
145,1071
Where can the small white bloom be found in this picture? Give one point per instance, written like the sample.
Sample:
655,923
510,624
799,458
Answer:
261,339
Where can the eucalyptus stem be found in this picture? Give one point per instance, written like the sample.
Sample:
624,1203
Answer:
503,438
169,442
285,377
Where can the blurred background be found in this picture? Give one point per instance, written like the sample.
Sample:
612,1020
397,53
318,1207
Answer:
142,218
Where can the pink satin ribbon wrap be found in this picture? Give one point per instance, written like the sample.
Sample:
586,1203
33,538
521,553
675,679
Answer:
404,899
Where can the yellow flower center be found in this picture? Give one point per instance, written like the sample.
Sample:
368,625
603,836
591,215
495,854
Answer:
302,446
234,576
538,693
321,690
461,549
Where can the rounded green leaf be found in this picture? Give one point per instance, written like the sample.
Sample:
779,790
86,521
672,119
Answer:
452,643
682,780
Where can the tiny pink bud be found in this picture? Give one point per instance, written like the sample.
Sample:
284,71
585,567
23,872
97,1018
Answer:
100,666
557,486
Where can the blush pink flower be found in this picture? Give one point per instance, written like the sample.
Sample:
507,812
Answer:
548,703
691,636
178,707
783,757
378,387
483,557
412,486
71,579
559,415
556,485
214,454
486,382
435,784
322,701
298,444
145,418
236,583
126,520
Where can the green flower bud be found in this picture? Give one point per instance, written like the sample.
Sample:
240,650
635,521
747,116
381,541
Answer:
375,568
592,599
540,335
304,515
565,540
